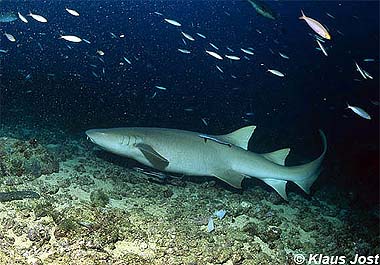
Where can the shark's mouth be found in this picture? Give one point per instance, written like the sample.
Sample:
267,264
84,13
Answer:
89,138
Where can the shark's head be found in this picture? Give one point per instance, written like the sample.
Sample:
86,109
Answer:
119,141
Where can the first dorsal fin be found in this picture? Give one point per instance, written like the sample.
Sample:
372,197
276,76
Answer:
239,137
278,156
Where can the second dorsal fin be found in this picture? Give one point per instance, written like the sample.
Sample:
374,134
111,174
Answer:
278,156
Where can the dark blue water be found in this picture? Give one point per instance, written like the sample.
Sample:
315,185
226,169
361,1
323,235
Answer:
63,92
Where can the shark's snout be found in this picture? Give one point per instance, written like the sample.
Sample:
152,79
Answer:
94,135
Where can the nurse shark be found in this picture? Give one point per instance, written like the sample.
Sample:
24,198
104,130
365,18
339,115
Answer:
223,156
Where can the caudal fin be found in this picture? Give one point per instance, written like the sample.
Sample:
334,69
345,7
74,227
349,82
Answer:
302,15
303,175
309,172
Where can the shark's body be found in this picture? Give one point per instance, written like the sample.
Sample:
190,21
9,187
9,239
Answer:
223,156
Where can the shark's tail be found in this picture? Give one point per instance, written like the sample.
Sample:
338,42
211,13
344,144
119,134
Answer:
303,175
309,172
313,168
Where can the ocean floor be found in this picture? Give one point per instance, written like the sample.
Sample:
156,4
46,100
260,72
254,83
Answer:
64,201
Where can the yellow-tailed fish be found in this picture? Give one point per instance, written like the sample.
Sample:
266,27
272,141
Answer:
316,26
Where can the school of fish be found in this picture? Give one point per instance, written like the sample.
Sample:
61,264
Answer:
321,33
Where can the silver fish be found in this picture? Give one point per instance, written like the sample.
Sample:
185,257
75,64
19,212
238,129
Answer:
359,111
7,17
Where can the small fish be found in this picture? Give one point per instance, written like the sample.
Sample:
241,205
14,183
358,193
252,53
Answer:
71,38
3,51
329,15
367,74
187,36
40,46
173,22
322,48
160,87
275,72
22,18
38,18
10,37
316,26
215,55
72,12
368,60
28,77
231,50
232,57
94,74
188,109
184,51
360,70
201,35
319,38
100,52
86,41
220,69
359,111
126,59
184,42
220,214
283,56
204,121
158,13
113,35
210,225
214,46
263,9
7,17
247,51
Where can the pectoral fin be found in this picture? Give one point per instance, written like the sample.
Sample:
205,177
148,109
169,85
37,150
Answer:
231,177
279,185
157,160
